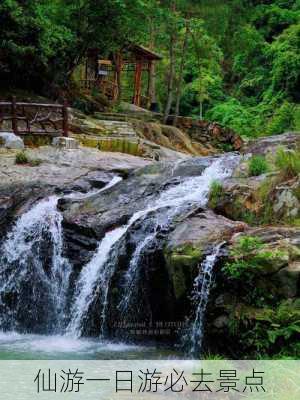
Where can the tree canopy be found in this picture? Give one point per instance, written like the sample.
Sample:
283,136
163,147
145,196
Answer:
236,62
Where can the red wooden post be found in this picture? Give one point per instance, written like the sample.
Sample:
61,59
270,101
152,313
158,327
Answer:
14,121
65,119
137,83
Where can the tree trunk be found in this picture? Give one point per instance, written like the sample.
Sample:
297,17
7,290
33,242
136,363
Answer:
201,110
171,78
181,71
152,71
172,68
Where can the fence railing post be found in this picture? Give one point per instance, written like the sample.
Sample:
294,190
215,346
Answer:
65,119
14,120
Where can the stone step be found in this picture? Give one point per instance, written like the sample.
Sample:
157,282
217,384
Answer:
119,128
110,116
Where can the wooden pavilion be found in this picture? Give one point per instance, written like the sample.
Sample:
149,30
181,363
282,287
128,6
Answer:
124,75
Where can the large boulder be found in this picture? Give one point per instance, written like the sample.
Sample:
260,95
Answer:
62,167
11,141
194,236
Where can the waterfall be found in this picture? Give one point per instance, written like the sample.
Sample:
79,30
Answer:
34,275
132,274
202,286
94,280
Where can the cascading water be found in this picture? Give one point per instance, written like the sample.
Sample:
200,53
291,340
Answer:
95,278
34,275
202,286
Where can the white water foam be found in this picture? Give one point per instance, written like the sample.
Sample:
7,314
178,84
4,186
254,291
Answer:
202,286
98,271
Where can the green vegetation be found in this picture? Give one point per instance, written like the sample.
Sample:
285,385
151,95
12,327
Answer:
263,322
271,331
249,258
257,166
23,159
215,194
288,162
220,61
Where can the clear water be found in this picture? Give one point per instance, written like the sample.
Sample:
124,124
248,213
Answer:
14,346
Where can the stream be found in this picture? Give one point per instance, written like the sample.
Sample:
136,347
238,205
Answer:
44,314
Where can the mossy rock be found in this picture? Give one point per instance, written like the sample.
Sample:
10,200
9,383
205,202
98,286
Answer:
111,144
182,265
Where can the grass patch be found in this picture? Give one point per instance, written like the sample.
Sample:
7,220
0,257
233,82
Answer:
257,165
23,159
215,194
288,162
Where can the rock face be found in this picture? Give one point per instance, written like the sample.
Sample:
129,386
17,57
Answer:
263,300
57,170
268,198
193,238
96,215
160,249
10,141
290,140
60,167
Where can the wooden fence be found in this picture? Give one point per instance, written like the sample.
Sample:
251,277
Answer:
34,118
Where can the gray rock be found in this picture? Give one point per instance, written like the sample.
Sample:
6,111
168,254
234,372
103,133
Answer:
221,322
11,141
269,144
288,279
62,167
65,142
286,203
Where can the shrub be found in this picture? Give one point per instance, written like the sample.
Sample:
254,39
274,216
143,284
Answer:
282,119
35,163
274,330
21,158
248,257
233,114
216,192
288,162
257,166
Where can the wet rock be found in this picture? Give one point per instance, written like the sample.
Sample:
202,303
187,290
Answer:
128,196
193,237
16,199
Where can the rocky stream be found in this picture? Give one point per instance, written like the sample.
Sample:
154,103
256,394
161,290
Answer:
106,255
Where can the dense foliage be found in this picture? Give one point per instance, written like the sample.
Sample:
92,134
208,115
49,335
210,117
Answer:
236,62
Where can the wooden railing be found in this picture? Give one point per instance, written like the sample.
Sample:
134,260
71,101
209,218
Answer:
34,118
